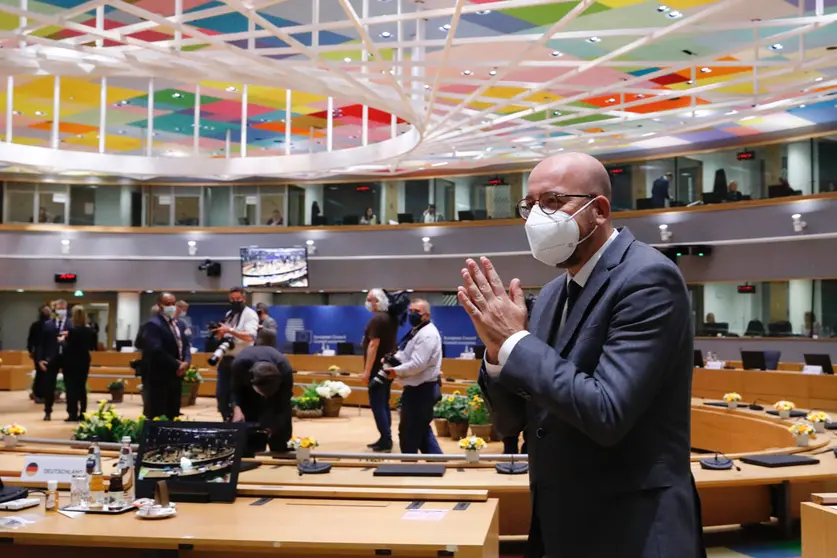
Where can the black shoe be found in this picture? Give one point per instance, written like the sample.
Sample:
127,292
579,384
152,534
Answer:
374,444
47,416
71,419
382,447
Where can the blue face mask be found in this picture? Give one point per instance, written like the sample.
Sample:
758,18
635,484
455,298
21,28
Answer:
414,318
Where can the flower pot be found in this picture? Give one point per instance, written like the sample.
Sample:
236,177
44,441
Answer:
732,404
186,398
802,441
481,431
309,413
10,441
117,395
331,406
472,456
819,427
442,429
458,430
785,414
303,454
193,393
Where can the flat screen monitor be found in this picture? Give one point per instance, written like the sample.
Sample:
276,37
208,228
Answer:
753,360
344,348
820,360
199,461
274,267
301,348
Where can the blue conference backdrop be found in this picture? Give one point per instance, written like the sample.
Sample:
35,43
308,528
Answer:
325,326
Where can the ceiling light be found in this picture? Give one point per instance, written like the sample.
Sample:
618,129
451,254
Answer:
640,96
123,102
466,72
347,59
427,86
594,40
730,113
523,140
176,95
78,136
777,46
818,79
231,88
611,100
445,27
591,140
492,72
747,118
674,14
663,9
690,82
802,106
705,70
16,112
557,113
648,134
39,113
483,12
385,35
557,53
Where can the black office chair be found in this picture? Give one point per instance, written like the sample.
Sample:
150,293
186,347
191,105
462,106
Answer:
771,359
781,328
755,328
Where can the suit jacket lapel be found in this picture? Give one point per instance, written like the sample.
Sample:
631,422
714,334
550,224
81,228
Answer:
600,277
550,314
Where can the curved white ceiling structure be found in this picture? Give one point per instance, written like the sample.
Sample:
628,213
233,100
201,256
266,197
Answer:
228,89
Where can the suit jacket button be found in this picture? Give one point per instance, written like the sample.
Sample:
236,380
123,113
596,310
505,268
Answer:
540,433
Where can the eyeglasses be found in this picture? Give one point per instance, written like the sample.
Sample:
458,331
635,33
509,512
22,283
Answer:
550,203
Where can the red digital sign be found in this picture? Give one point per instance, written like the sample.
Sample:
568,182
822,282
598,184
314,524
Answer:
746,155
496,182
746,289
617,171
66,277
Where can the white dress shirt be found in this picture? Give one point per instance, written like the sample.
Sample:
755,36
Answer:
580,278
248,323
421,359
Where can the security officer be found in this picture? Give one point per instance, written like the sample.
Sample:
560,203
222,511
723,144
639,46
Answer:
420,354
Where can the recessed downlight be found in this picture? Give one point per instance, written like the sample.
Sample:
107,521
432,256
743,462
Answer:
492,72
594,40
385,35
557,53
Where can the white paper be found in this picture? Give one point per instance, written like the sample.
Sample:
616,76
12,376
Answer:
88,208
71,514
715,365
425,515
811,369
250,200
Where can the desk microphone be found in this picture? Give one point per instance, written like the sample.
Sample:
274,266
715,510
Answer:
754,406
511,468
313,468
716,463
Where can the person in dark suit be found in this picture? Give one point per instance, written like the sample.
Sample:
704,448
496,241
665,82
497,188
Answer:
600,375
80,340
50,353
166,356
660,191
32,342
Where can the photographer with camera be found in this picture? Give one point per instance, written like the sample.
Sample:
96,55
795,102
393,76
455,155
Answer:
263,384
418,367
236,331
166,356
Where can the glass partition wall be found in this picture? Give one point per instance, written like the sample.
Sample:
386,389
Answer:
721,176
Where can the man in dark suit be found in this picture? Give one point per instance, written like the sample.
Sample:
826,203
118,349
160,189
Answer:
166,356
49,354
660,191
600,376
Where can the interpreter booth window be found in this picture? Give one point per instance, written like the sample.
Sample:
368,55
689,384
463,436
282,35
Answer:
416,199
728,175
296,206
272,206
477,198
826,164
160,202
444,198
19,203
648,183
761,309
827,317
217,203
347,204
245,206
83,204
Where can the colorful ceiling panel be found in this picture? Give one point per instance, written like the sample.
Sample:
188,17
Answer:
503,82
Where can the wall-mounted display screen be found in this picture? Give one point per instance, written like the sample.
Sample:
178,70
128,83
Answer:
274,267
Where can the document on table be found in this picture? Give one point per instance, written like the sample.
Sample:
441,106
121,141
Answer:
425,515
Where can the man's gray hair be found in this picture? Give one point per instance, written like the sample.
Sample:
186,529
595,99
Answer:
381,299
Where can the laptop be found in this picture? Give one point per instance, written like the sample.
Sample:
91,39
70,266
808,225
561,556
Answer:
11,493
780,460
823,361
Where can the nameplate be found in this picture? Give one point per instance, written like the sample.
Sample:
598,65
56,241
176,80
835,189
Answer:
329,352
42,468
812,369
467,356
715,365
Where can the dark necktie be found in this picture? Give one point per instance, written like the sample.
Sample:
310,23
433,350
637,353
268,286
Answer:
573,291
59,325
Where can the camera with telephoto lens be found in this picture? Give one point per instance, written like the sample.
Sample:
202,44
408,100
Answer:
226,343
381,377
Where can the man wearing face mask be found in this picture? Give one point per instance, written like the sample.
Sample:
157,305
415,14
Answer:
420,372
32,343
600,375
378,340
242,323
50,353
166,355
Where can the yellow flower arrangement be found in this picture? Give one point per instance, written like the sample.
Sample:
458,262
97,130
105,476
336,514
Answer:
334,368
732,397
13,430
472,443
302,443
802,430
784,405
455,393
818,416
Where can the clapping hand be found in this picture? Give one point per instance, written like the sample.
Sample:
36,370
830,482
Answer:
496,315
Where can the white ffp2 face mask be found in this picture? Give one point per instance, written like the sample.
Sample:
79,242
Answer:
554,238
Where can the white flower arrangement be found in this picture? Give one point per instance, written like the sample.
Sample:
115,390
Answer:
329,389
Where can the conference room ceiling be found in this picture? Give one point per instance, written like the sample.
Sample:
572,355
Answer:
484,82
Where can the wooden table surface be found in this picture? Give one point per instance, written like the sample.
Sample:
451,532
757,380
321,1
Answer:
288,527
819,531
